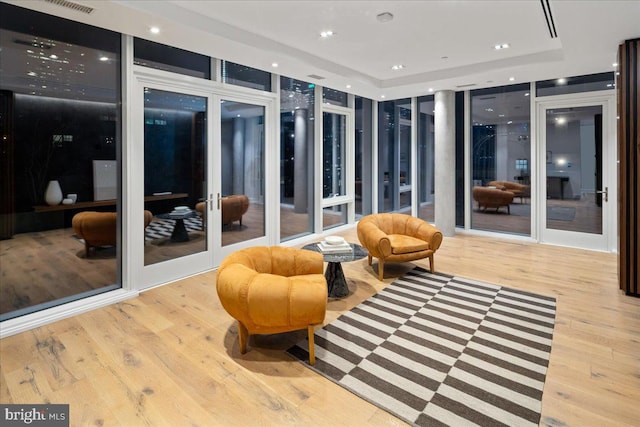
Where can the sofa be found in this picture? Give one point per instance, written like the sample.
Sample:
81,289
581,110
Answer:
518,190
395,237
488,197
233,208
273,289
99,228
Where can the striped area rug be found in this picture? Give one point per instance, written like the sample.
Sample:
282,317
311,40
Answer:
434,350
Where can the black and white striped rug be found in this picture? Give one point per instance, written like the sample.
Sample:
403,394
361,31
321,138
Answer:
433,350
161,228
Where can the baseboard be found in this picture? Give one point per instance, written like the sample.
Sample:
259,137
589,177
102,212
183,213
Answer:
44,317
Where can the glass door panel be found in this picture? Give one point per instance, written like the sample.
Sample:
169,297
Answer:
242,192
175,182
575,182
333,155
574,169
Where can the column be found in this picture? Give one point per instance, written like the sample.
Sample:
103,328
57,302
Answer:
238,156
300,172
445,162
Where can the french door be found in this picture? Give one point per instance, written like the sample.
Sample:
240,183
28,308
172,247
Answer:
198,185
576,180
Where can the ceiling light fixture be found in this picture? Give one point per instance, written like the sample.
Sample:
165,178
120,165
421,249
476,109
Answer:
561,81
384,17
104,58
397,67
501,46
274,64
430,89
615,64
154,30
382,96
326,34
348,86
511,79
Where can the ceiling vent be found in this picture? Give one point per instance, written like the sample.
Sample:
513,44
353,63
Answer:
71,5
467,85
546,8
315,76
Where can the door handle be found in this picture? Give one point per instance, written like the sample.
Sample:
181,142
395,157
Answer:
605,192
209,201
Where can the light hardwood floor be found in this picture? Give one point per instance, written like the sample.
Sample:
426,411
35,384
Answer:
170,357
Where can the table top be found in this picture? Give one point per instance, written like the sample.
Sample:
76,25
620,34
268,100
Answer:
187,214
357,252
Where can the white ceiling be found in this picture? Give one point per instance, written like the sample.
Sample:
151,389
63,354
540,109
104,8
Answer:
442,44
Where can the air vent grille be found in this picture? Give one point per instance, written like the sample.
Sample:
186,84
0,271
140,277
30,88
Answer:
315,76
546,8
71,5
467,85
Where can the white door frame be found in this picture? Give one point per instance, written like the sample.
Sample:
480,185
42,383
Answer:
143,277
607,241
271,169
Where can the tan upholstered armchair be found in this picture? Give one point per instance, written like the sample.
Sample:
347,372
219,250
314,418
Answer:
273,289
394,237
233,208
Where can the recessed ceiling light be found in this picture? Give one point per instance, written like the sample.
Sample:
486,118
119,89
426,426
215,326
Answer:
154,30
104,58
501,46
430,89
348,86
615,64
274,65
382,96
561,81
327,33
397,67
384,17
511,79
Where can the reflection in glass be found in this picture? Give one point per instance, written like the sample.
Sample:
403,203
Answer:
334,216
296,157
174,174
242,148
162,57
334,97
577,84
394,156
363,153
426,166
333,155
500,150
59,112
574,169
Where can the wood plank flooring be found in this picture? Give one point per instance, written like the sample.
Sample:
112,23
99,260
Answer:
171,357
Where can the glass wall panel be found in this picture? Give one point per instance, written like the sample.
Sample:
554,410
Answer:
394,156
574,169
174,174
296,157
426,173
334,97
501,163
363,153
588,83
162,57
241,75
243,168
334,146
60,114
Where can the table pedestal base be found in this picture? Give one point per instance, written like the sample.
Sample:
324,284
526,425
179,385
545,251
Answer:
179,233
336,281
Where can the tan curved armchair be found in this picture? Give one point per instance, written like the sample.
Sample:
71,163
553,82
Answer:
273,289
394,237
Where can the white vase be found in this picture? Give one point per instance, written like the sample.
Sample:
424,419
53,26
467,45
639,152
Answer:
53,194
